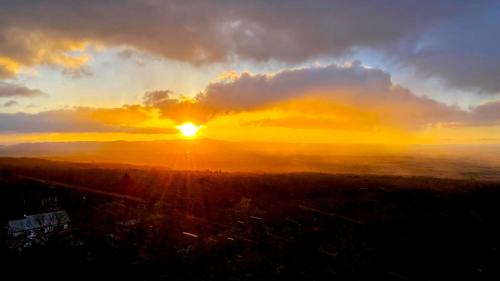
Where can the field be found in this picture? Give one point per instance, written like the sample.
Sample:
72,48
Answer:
144,223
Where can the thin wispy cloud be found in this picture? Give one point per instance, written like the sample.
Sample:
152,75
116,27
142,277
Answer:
9,90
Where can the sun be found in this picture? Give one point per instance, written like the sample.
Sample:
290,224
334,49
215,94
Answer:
188,130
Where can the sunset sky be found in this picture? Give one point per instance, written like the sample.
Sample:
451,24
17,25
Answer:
390,72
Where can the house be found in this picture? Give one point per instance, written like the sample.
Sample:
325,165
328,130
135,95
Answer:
36,229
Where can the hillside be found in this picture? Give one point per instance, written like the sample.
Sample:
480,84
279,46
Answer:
452,161
152,223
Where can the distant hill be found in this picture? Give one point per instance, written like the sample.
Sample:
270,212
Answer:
479,162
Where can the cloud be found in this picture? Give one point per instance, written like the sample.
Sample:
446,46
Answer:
125,119
22,47
77,73
6,73
8,66
10,103
215,31
485,114
157,98
179,110
249,91
454,41
329,90
315,122
463,52
16,90
333,96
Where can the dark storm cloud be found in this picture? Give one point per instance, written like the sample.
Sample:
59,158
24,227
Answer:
16,90
199,31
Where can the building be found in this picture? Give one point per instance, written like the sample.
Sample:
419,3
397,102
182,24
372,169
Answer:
36,229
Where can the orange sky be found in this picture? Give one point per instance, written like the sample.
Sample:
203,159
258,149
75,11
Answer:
275,124
317,73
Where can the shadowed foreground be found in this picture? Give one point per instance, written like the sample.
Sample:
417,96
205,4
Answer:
156,224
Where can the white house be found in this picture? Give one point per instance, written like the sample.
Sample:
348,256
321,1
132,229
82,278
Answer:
36,228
